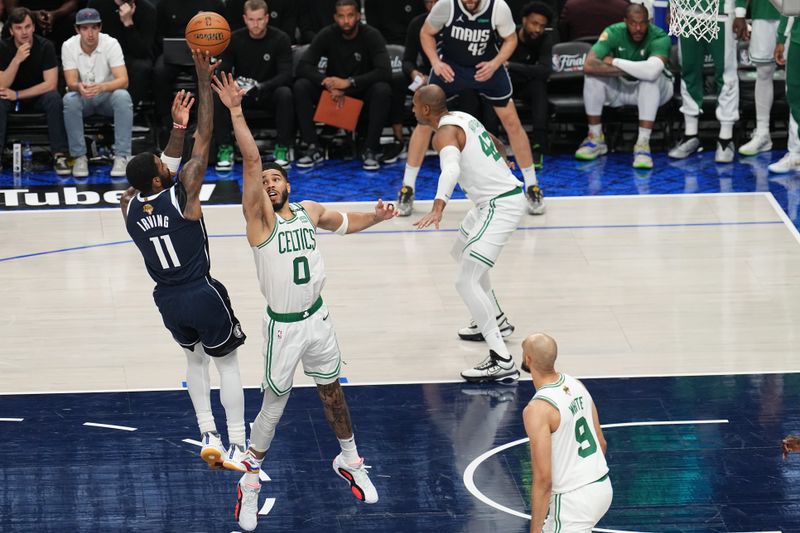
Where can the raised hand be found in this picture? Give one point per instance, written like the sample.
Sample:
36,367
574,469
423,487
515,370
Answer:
202,63
230,94
181,105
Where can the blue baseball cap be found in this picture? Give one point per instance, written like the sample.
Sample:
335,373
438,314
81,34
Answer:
87,16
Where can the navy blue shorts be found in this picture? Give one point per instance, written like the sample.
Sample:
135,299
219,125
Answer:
496,90
200,312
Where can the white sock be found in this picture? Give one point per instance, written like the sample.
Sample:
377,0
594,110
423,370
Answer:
691,124
198,383
595,130
644,136
529,175
232,397
764,96
349,450
725,130
410,176
253,477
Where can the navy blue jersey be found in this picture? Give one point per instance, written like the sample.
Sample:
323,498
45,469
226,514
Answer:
469,39
175,249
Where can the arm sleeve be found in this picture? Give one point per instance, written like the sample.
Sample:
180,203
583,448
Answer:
503,20
307,66
449,160
648,70
439,15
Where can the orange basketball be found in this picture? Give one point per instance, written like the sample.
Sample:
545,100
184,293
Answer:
208,31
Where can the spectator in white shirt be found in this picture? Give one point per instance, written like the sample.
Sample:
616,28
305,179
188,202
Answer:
94,69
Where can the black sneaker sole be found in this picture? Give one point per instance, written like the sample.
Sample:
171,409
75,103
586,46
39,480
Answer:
491,379
478,337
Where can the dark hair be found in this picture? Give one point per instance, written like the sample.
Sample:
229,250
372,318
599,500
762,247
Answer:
18,15
631,9
275,166
141,170
539,8
354,3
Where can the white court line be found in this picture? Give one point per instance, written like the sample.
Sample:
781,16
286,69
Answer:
783,216
109,426
11,419
194,442
469,472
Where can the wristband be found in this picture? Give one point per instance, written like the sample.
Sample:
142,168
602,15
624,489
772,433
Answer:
739,12
178,126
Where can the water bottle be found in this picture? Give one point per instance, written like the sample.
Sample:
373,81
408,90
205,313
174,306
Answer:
17,161
27,158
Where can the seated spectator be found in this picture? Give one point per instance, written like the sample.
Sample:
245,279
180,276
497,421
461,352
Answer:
357,66
516,6
260,58
317,14
94,69
53,18
530,66
392,18
133,24
626,66
172,16
588,18
28,79
282,14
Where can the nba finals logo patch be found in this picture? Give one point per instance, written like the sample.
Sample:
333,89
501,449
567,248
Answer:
147,208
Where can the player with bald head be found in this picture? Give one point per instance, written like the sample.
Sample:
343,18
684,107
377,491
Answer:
567,445
474,158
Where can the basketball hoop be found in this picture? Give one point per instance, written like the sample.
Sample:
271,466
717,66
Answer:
697,19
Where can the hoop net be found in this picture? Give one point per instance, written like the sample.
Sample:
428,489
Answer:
697,19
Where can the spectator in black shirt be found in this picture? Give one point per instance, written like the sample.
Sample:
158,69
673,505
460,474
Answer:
357,66
317,14
28,79
259,57
282,15
133,24
392,18
53,18
172,16
530,66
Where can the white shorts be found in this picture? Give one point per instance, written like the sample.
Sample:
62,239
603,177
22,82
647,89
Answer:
487,228
580,510
763,36
622,92
311,340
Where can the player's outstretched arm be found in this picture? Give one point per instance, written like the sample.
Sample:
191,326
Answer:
351,222
448,141
258,212
536,417
194,170
181,106
125,200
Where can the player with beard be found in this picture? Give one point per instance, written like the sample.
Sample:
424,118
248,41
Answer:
297,324
165,221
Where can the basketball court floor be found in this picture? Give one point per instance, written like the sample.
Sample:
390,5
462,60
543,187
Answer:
678,310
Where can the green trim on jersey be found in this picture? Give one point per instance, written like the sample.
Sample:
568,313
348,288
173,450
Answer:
295,317
268,363
554,385
548,400
271,235
512,192
615,40
481,258
485,225
558,513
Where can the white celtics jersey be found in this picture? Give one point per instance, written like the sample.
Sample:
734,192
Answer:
289,266
484,173
576,455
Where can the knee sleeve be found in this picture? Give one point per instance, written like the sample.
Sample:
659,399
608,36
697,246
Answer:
267,420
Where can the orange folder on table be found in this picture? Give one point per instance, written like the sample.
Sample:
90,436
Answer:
345,117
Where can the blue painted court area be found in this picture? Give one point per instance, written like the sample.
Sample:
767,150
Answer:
712,465
563,175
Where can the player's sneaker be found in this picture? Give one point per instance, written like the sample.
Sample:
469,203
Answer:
356,474
212,452
535,198
224,158
313,156
686,147
642,158
758,143
246,512
405,201
493,368
591,148
472,333
725,151
280,154
788,163
235,459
